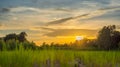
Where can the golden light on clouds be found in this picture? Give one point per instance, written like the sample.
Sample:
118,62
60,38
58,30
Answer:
62,39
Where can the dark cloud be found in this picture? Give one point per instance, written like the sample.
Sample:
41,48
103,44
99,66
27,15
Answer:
65,19
71,32
44,28
4,9
7,31
60,21
81,16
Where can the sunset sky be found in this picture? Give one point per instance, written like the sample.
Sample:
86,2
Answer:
57,20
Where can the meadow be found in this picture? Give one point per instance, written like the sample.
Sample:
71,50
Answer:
59,58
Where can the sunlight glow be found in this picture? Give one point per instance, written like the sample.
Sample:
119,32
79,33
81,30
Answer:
79,37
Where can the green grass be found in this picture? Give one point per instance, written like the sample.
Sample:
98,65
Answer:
59,58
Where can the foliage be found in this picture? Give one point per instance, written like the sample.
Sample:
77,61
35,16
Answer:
15,45
108,38
20,37
59,58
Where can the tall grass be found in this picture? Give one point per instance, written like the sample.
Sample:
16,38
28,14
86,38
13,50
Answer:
59,58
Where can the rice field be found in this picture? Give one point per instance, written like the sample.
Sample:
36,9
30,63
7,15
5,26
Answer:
59,58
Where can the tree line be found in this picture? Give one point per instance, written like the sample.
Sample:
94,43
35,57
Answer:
16,41
108,39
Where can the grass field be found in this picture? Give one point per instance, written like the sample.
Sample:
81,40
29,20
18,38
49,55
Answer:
59,58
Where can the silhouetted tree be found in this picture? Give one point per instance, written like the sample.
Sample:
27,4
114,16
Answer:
115,40
10,37
22,37
108,37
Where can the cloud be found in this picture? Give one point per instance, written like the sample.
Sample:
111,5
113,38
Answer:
39,10
118,26
60,21
45,28
69,32
96,13
4,9
55,32
29,31
19,9
66,19
0,24
23,12
63,9
114,2
110,8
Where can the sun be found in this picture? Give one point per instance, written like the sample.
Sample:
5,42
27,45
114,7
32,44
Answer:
79,37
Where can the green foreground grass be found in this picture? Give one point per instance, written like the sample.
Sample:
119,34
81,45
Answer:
59,58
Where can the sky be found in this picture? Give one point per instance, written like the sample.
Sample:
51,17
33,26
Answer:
57,21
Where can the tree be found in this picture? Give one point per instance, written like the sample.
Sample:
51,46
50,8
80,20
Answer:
108,37
115,40
22,37
10,37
